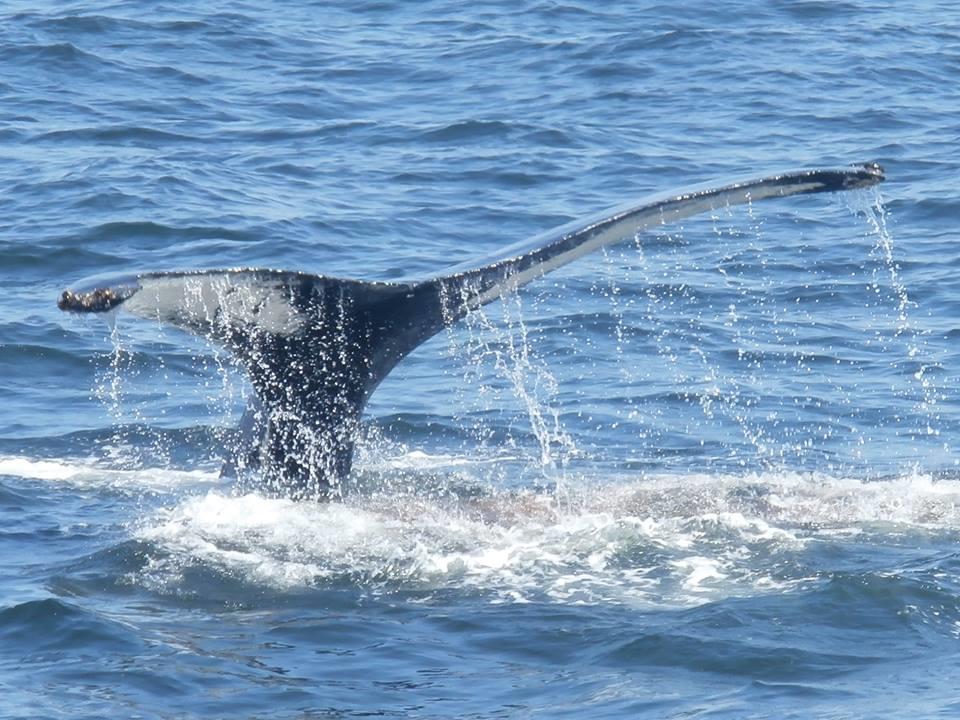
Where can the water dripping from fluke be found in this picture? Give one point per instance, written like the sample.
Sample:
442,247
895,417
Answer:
316,347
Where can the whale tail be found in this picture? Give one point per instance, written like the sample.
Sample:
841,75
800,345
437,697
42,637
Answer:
316,347
313,347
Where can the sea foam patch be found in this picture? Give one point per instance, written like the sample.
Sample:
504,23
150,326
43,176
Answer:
665,540
673,539
513,547
94,473
813,501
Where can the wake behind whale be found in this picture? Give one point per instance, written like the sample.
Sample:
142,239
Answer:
316,347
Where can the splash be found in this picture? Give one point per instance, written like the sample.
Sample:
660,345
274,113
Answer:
500,338
152,379
116,388
669,305
869,203
666,540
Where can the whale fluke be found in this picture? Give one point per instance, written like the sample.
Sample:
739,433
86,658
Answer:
316,347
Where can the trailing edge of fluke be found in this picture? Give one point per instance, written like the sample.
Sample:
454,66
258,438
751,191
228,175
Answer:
316,347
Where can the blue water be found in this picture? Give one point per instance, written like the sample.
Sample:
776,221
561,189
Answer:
710,474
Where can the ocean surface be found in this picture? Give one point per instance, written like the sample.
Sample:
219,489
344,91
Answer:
713,473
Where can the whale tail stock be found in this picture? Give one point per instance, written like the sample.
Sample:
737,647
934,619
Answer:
316,347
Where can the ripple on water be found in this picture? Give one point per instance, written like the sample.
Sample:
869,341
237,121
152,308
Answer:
39,629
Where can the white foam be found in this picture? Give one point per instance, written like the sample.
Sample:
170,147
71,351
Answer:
92,473
670,539
665,540
419,460
514,548
39,469
699,570
772,501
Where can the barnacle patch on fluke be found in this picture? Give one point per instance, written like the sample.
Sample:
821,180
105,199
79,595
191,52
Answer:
98,300
870,173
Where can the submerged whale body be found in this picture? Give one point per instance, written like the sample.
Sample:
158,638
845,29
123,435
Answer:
315,347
